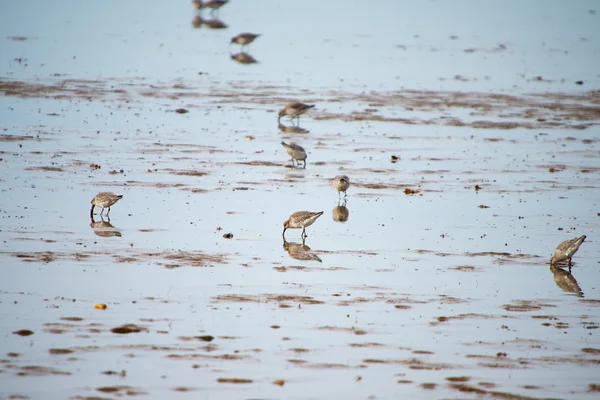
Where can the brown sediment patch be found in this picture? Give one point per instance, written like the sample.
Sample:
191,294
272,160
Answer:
299,350
203,338
590,302
45,168
262,163
234,380
60,351
266,298
23,332
458,378
120,259
122,390
128,328
15,138
186,258
395,186
412,363
308,269
370,344
356,252
353,330
187,172
463,268
502,257
183,389
525,306
74,319
499,361
297,361
580,360
196,190
423,352
195,356
36,370
594,387
461,387
590,350
442,319
326,365
43,256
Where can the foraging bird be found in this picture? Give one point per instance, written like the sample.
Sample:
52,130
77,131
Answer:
300,219
341,183
244,39
294,110
214,5
104,200
295,151
566,250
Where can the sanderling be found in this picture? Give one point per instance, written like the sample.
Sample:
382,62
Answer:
294,110
244,39
300,219
341,183
295,151
214,5
566,250
104,200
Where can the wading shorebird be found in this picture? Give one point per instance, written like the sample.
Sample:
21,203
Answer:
214,5
244,39
300,219
295,151
104,200
566,250
341,183
294,109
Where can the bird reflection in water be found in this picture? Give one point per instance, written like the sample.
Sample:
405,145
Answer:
340,213
291,129
243,58
565,280
300,251
104,228
214,23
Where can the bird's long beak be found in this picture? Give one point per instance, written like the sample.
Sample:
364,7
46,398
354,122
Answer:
283,234
92,212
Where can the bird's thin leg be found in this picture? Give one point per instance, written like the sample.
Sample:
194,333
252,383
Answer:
304,235
107,214
304,165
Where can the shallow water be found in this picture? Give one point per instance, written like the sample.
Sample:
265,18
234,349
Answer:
436,286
